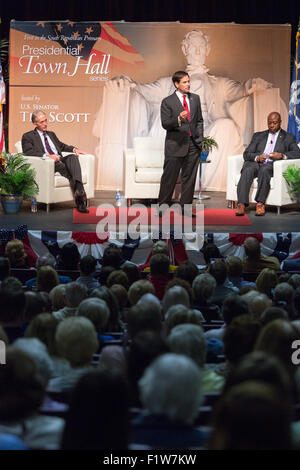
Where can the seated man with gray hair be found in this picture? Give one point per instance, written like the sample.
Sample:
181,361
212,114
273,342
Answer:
45,144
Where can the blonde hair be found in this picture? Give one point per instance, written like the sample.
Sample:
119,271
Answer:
15,252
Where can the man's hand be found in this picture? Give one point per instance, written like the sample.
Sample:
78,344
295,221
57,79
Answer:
183,115
79,152
54,157
261,158
276,156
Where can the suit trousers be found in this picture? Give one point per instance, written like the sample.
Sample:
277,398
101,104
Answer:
251,170
172,166
69,167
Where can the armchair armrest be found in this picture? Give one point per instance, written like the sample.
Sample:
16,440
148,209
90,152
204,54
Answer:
234,166
44,169
129,172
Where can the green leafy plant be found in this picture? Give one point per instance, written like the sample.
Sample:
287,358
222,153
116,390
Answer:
17,176
292,177
208,143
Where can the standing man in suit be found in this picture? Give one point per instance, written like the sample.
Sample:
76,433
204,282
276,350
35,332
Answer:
45,144
264,149
181,116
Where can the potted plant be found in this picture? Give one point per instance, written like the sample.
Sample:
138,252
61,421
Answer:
292,177
17,182
207,145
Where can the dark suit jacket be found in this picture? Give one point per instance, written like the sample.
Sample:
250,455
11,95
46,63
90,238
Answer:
285,143
32,144
178,137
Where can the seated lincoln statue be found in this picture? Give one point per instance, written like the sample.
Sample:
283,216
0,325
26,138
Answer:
224,103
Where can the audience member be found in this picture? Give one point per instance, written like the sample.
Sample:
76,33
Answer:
187,271
252,416
178,314
132,272
69,257
98,417
12,307
97,311
21,395
218,270
87,266
114,323
46,260
271,314
4,268
266,281
58,297
203,288
159,274
47,279
138,289
257,303
118,276
77,342
14,250
144,316
74,294
235,272
170,391
254,261
174,296
284,297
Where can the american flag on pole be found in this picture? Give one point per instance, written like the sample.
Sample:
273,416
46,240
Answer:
2,101
294,108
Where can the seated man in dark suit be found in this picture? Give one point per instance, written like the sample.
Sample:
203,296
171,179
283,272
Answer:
45,144
264,149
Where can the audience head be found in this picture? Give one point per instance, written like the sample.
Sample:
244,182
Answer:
171,387
187,271
203,287
87,265
98,417
179,314
159,265
210,251
95,310
240,337
257,302
43,327
14,250
145,316
36,302
233,306
75,292
4,268
21,389
121,295
117,277
108,296
174,296
276,338
218,270
234,266
58,297
160,247
266,280
283,292
45,260
132,271
39,354
47,279
76,340
190,341
294,280
138,289
273,313
252,248
252,415
13,301
112,256
69,257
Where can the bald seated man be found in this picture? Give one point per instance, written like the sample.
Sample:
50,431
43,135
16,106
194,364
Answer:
264,149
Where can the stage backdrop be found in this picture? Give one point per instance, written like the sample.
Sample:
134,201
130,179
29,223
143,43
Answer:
70,71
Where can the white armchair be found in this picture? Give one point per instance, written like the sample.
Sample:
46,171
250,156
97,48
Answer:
54,187
278,195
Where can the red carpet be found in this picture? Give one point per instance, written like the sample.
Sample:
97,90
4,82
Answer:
145,216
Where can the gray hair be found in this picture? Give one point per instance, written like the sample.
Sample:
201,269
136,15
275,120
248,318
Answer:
171,386
283,292
75,293
175,295
58,297
35,114
190,341
150,301
76,340
257,302
204,286
45,260
95,310
39,354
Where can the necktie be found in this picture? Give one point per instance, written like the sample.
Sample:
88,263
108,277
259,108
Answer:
47,145
185,107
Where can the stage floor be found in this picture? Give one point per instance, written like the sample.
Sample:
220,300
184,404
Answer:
60,216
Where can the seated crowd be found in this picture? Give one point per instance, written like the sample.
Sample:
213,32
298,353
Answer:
101,354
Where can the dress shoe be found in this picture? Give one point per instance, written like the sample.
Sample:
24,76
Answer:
81,201
260,209
240,210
